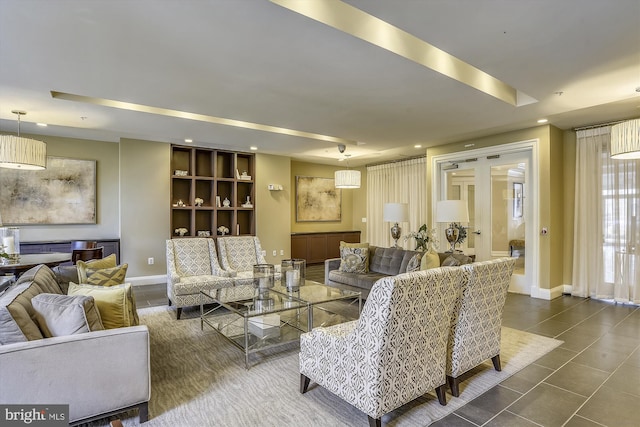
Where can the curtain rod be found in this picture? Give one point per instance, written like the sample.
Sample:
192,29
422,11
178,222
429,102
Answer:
598,125
395,161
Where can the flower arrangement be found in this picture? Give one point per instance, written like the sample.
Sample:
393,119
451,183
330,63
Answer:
4,256
462,233
223,230
198,201
181,231
425,238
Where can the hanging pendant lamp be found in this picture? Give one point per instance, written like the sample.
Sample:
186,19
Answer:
17,152
625,140
346,178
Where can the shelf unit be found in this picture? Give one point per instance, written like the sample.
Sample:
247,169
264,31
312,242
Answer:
213,176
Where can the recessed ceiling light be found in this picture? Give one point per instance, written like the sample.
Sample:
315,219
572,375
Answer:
543,121
417,146
253,148
43,125
188,140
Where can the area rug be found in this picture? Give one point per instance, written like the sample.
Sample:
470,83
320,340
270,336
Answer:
199,379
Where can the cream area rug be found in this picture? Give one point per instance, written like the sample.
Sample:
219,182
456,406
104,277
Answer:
199,379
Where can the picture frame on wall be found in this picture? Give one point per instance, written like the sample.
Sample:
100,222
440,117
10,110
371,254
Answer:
317,200
63,193
518,199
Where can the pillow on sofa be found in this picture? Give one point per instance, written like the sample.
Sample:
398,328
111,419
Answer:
430,260
60,315
116,304
414,263
354,257
96,264
450,261
105,276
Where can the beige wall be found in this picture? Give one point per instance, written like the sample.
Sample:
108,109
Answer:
144,207
551,154
107,205
569,181
353,201
273,216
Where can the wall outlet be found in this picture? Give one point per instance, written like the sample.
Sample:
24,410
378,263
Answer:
364,219
281,251
275,253
264,253
150,261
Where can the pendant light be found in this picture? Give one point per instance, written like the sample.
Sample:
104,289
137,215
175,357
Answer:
17,152
625,140
346,178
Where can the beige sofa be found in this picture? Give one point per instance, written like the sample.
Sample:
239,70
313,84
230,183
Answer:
96,373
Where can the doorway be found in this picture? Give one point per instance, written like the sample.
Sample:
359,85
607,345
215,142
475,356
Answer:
499,187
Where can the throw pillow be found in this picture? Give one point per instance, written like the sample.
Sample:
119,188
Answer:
354,260
430,260
96,264
106,276
116,304
450,261
60,315
414,263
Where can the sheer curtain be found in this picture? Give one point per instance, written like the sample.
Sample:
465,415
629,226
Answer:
606,256
400,182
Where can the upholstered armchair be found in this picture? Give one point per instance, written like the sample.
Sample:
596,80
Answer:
192,266
477,318
395,352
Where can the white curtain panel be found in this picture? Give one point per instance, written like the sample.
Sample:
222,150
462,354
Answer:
606,255
399,182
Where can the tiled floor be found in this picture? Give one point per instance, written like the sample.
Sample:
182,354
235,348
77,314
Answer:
593,379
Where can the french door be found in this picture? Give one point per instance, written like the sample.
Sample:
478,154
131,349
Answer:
498,191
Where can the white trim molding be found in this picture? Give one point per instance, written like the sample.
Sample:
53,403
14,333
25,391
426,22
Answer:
147,280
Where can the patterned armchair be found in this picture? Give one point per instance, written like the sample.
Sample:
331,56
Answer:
192,266
477,318
395,352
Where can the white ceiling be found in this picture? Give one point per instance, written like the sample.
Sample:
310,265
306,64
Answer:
255,61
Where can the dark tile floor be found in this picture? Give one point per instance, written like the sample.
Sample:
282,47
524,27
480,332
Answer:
592,379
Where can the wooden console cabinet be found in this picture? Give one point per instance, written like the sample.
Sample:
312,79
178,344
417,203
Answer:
316,247
111,246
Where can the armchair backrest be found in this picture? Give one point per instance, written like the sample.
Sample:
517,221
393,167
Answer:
403,329
477,319
240,253
192,257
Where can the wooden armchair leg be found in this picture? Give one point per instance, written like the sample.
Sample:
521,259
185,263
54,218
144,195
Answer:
454,386
178,313
496,362
304,383
375,422
442,394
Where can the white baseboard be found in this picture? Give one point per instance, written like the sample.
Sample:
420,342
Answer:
548,294
147,280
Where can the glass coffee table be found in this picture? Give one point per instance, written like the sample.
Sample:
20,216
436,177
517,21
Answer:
276,316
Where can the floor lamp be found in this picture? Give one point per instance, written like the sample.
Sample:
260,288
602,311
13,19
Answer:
396,213
452,212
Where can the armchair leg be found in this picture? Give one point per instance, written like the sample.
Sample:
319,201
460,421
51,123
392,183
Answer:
143,412
441,392
496,362
178,313
304,383
169,303
453,385
375,422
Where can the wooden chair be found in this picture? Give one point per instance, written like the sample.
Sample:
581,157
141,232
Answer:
83,244
86,254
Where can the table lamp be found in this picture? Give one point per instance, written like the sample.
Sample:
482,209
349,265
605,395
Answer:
453,212
396,213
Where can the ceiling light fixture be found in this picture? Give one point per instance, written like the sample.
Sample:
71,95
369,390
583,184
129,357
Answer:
42,125
188,140
253,148
17,152
346,178
625,140
543,121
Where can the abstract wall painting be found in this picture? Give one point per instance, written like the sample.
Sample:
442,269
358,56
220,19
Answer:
317,199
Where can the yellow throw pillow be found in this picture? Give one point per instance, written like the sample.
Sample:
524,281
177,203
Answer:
116,304
95,264
430,260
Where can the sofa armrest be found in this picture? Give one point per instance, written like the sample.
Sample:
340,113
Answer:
94,373
330,265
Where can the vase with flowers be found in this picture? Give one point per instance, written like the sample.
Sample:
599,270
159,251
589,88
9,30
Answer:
223,230
424,238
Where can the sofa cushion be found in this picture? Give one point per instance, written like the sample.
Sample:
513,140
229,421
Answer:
190,285
430,260
353,260
414,263
105,276
390,261
95,264
43,276
61,315
64,275
115,303
363,281
450,262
